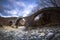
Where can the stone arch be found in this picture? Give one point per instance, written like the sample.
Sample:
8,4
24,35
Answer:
46,15
17,22
47,12
10,23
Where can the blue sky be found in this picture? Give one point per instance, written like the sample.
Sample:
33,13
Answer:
16,8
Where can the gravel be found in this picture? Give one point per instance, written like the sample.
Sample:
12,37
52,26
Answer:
34,34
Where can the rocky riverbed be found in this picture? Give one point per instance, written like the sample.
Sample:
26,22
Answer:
45,33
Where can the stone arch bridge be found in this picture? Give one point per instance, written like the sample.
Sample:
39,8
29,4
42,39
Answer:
50,14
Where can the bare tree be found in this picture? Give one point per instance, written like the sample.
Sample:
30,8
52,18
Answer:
54,3
47,3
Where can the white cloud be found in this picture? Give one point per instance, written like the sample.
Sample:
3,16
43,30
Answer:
16,3
28,9
20,4
1,14
11,12
16,12
10,16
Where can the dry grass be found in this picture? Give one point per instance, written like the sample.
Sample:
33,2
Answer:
9,28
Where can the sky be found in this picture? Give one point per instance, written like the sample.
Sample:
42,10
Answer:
16,8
